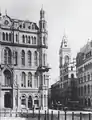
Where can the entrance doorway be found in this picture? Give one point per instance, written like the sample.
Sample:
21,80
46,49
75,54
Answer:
30,102
7,100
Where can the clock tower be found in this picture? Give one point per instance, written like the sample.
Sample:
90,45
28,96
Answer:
64,53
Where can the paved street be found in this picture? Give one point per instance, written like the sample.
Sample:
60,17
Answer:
85,116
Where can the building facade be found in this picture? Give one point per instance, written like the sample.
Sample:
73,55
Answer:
65,90
84,74
23,63
67,71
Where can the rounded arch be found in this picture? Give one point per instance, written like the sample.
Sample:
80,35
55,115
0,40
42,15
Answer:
7,54
72,75
35,58
29,79
23,100
23,57
23,80
7,78
30,102
7,36
36,80
29,58
66,59
23,38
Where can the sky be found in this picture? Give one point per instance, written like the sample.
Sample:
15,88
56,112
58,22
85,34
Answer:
73,17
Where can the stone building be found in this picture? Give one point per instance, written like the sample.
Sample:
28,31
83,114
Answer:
23,63
67,71
84,74
64,90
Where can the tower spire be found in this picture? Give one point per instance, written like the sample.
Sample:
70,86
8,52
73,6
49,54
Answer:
5,11
0,11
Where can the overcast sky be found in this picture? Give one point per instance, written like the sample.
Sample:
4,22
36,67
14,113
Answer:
75,16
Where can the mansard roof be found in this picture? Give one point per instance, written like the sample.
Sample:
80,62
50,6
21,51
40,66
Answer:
18,22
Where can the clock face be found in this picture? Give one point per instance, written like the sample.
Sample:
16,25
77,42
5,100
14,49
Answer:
6,22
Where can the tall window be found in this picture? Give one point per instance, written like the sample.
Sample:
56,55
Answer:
23,39
16,38
88,89
44,59
3,36
36,80
26,39
44,40
34,40
23,100
44,100
35,58
84,89
23,57
29,58
7,56
23,80
7,76
29,79
16,57
7,36
29,39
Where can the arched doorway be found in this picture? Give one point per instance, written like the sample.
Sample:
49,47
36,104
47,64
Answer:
30,102
7,100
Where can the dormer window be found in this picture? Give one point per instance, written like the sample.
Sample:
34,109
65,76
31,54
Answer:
33,27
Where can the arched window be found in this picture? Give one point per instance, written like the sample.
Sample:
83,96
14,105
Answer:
3,36
23,100
29,79
44,40
35,58
29,39
7,56
23,39
88,89
34,40
66,59
23,57
16,38
72,75
36,80
23,80
15,57
44,100
44,59
84,89
7,76
33,26
26,39
29,58
7,36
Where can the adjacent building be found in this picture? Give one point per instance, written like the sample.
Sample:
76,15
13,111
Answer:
84,74
23,63
65,89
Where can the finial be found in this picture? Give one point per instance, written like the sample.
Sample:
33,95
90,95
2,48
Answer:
0,11
5,11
